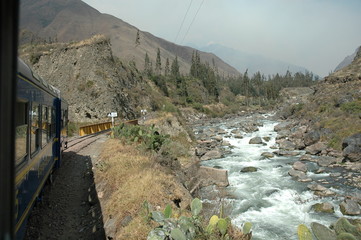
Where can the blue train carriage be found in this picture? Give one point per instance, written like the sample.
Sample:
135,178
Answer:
41,123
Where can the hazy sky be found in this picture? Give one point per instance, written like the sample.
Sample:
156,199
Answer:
316,34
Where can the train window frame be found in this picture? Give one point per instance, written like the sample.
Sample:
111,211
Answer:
50,122
34,130
19,161
44,126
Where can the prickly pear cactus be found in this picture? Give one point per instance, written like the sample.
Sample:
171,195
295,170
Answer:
346,236
247,227
344,226
196,207
222,226
304,233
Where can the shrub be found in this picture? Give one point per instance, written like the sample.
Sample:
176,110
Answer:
352,107
148,137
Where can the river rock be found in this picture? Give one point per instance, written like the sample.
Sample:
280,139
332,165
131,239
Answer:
311,138
249,169
316,148
218,138
320,170
283,125
325,161
235,131
215,176
267,155
298,174
322,232
286,153
317,187
323,207
304,179
214,154
287,145
283,134
239,136
351,147
226,143
300,166
267,139
255,140
350,207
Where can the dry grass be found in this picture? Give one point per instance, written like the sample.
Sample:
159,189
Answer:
129,178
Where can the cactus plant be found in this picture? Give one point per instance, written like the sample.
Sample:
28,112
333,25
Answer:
346,236
222,226
247,227
196,207
303,232
177,234
344,226
168,211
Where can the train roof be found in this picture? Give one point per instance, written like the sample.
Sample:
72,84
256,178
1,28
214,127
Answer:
27,72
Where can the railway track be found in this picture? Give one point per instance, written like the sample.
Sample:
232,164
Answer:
83,141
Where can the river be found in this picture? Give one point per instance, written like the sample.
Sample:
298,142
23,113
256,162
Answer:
270,199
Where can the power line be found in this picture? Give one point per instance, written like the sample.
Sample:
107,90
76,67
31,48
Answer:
192,21
190,4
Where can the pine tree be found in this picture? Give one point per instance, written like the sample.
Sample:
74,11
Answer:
175,67
158,63
137,39
166,68
147,65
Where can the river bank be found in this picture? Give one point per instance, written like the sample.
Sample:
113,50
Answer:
278,174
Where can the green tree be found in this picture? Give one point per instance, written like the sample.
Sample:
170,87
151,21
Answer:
158,63
166,68
137,39
147,65
175,68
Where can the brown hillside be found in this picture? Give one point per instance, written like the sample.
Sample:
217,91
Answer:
74,20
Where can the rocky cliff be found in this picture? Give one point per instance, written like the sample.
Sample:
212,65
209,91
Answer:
92,81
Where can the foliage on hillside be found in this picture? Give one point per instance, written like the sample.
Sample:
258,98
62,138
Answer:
204,86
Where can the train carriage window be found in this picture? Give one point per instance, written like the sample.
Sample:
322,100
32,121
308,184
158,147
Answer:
44,126
50,123
21,123
53,129
34,130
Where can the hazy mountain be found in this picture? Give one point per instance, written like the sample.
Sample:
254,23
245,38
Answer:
347,61
242,61
74,20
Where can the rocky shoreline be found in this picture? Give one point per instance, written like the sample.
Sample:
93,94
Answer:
294,138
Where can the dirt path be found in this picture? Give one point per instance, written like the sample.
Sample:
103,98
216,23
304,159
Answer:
70,208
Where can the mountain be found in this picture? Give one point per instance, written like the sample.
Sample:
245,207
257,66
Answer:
243,61
347,61
74,20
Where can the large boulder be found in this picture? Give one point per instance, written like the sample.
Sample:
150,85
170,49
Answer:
267,154
322,232
211,176
287,145
214,154
323,207
325,161
283,126
311,138
350,207
249,169
299,166
316,148
255,140
351,147
298,174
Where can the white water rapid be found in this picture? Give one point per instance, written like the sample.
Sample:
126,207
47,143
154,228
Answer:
269,198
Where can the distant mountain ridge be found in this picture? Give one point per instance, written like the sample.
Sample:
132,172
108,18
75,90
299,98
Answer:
347,61
74,20
243,61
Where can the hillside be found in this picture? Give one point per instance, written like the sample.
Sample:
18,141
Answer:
74,20
334,109
92,81
254,63
347,61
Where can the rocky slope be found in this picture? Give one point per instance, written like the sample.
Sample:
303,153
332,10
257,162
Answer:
92,81
74,20
331,117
